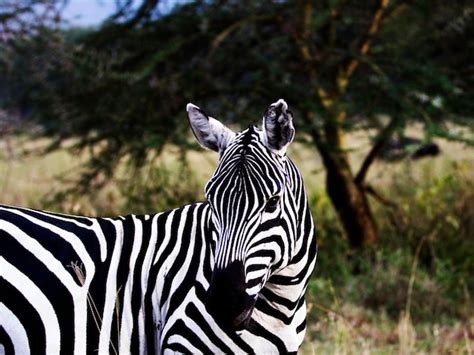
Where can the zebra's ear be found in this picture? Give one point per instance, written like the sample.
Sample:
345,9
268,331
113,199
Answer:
278,126
209,132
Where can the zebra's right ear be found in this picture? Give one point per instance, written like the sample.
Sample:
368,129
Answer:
278,126
209,132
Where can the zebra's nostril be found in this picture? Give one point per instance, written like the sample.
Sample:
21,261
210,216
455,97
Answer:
227,301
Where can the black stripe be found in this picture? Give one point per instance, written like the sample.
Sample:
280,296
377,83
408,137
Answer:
137,292
182,329
301,327
61,250
6,342
174,227
97,288
182,289
259,330
28,316
50,286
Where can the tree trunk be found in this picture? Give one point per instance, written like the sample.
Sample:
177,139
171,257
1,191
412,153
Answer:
345,190
347,194
350,202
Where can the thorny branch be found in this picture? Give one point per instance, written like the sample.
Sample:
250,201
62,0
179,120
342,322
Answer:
376,148
367,40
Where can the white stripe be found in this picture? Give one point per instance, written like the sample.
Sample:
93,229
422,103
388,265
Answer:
15,331
178,339
111,290
42,254
144,281
99,233
95,227
260,273
39,302
165,241
80,321
158,313
179,314
79,294
202,256
69,237
126,326
214,327
171,258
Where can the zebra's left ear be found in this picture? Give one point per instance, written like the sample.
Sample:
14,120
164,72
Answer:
209,132
278,126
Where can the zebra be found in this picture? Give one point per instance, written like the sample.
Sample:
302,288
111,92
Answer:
227,275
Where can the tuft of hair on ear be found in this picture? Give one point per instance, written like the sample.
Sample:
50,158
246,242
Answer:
278,126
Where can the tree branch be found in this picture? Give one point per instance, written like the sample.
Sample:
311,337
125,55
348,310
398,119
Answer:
315,135
235,26
384,201
365,45
306,14
376,148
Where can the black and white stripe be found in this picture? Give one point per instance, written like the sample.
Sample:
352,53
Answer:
224,276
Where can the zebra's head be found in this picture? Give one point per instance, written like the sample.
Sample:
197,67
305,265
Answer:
254,206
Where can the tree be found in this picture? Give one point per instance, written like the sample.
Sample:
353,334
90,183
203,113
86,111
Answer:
25,17
342,64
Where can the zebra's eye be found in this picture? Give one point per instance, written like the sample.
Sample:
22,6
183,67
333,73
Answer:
272,204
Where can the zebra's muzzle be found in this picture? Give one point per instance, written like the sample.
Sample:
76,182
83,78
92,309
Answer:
227,300
241,322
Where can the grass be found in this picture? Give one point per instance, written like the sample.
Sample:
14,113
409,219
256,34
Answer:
412,293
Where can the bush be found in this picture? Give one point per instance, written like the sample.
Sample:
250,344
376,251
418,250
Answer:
426,245
161,188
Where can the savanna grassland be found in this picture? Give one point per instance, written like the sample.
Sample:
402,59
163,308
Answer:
410,293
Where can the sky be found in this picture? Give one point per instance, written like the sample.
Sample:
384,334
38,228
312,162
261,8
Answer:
88,12
93,12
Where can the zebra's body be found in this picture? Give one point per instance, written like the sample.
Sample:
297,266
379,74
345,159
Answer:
142,284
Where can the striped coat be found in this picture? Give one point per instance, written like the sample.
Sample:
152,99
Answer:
151,284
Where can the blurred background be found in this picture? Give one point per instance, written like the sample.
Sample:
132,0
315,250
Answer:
92,121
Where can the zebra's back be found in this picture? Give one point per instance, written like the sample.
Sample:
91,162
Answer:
79,284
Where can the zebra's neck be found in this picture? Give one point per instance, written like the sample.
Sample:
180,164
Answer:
281,308
180,275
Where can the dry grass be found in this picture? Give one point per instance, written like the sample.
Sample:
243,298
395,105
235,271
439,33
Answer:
346,328
26,179
357,331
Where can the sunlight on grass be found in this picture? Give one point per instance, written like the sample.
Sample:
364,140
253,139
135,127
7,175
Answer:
26,179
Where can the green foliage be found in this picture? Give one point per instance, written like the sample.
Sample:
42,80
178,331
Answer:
145,190
160,189
361,302
125,85
428,242
119,92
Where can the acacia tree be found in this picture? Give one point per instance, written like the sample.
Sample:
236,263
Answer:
24,17
396,48
342,65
